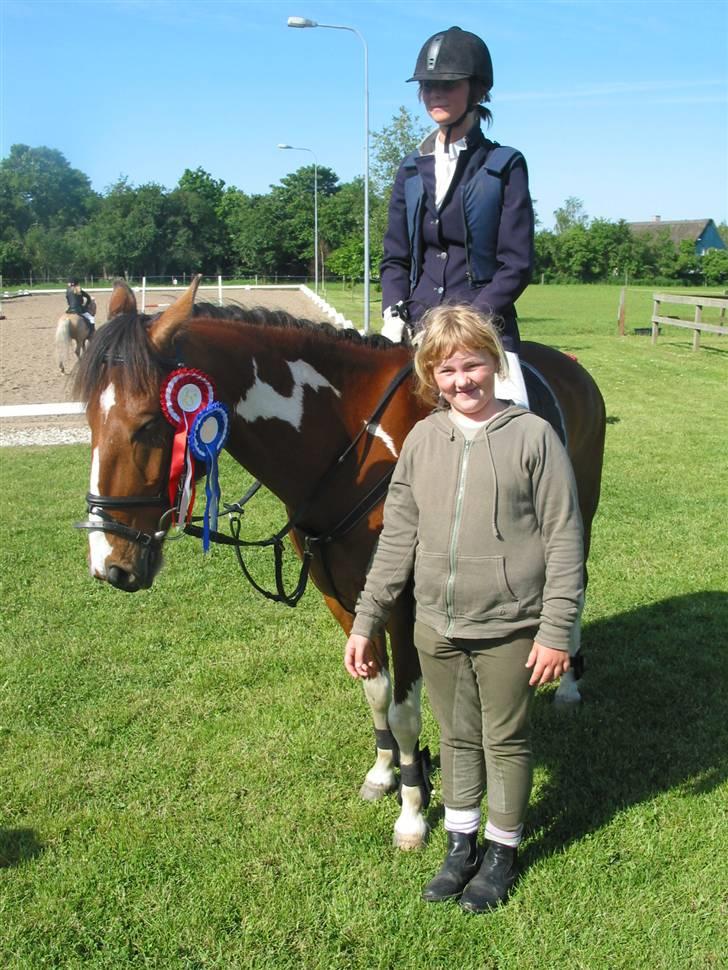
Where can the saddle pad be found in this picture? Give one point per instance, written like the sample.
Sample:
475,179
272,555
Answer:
542,400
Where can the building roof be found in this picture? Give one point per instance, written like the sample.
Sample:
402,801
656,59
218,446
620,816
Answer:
691,229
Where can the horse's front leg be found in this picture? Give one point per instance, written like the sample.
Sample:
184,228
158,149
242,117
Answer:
568,692
380,779
405,722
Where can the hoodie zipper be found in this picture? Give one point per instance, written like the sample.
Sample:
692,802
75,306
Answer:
449,605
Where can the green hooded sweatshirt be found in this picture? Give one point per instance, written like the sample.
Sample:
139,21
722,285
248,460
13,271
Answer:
491,527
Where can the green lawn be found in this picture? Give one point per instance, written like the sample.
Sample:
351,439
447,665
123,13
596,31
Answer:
179,768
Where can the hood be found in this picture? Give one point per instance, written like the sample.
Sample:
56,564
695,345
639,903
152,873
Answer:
441,419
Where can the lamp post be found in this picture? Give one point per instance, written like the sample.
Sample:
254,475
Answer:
294,148
305,22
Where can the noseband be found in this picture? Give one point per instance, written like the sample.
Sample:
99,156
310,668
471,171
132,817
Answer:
98,504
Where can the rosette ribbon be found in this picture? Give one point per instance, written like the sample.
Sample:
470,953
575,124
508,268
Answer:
207,439
184,394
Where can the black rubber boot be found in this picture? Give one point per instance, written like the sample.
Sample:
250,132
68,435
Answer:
459,867
494,881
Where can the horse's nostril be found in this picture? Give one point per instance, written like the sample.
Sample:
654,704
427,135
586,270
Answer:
121,579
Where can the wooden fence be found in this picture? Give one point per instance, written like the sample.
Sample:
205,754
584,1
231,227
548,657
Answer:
696,324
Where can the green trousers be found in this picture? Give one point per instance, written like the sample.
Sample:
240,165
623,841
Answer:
479,693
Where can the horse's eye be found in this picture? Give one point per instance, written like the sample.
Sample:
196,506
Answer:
150,429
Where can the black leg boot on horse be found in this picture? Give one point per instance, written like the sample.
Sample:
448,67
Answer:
459,867
494,881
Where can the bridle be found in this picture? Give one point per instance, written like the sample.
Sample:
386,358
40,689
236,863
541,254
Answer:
98,504
151,542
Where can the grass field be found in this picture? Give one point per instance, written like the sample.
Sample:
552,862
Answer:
179,768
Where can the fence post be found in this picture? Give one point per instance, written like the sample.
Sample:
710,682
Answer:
696,332
144,293
219,290
621,312
655,326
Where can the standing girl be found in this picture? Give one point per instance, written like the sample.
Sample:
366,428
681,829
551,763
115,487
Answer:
483,506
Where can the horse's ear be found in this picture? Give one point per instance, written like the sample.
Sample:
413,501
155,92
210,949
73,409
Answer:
164,328
122,300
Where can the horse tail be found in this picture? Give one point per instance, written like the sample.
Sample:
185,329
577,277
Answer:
63,340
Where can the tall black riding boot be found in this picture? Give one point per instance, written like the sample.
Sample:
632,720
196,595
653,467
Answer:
459,867
494,881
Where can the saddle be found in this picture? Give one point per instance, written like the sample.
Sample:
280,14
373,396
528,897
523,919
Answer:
542,400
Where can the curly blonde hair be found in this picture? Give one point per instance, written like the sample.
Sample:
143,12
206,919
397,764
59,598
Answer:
448,329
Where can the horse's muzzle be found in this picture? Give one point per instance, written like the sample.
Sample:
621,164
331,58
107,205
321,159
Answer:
132,581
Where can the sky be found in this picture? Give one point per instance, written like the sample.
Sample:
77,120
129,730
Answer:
623,105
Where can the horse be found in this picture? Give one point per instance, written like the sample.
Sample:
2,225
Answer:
72,327
318,415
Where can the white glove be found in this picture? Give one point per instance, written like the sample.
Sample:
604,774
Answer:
393,326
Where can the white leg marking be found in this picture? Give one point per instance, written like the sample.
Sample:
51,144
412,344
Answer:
380,778
568,689
98,545
264,401
107,400
378,432
410,829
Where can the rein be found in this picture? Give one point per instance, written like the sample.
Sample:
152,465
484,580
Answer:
310,540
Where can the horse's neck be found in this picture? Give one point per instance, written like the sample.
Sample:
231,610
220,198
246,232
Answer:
295,402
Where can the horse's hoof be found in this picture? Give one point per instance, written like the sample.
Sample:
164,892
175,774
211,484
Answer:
370,792
409,841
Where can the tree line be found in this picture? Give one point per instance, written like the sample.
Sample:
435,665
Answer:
53,224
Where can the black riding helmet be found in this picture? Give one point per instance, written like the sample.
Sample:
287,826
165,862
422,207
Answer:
452,55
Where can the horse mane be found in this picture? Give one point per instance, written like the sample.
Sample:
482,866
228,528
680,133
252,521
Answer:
265,317
124,340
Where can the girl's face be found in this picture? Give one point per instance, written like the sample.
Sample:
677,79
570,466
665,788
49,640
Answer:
446,101
466,380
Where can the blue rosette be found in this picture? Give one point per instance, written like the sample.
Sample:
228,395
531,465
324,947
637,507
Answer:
207,438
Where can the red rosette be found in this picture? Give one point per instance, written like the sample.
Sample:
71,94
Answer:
183,394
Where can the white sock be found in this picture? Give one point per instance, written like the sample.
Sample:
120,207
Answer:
505,837
463,820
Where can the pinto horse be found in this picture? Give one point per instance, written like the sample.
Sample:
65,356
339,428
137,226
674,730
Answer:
319,417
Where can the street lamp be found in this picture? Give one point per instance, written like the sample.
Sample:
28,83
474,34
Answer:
305,22
293,148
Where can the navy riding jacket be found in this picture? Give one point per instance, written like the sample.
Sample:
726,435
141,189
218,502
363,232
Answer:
446,250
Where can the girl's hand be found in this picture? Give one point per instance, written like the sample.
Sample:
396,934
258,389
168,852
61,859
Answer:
359,657
548,664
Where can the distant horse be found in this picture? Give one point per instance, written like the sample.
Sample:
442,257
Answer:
318,416
72,328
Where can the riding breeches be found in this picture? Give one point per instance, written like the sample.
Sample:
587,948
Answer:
479,693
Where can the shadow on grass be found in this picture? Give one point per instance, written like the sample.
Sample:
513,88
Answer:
654,719
18,846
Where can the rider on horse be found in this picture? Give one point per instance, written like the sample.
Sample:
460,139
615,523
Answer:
461,221
80,302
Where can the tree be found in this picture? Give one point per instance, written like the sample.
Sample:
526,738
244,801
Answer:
44,189
255,239
570,214
129,229
715,267
196,232
390,145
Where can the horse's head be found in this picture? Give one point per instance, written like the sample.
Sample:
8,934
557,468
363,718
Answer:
131,441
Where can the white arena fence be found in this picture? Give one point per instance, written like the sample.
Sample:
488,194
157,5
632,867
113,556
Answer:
73,408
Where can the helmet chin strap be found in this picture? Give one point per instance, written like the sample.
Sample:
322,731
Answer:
448,129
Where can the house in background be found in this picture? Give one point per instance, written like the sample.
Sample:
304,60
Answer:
702,232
